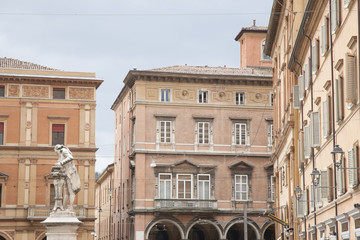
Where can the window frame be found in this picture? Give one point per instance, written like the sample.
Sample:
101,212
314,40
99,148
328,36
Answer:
201,98
241,191
168,97
202,137
238,136
185,192
59,90
2,91
2,133
238,94
161,182
52,133
203,190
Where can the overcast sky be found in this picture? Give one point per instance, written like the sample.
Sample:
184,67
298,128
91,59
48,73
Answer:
110,37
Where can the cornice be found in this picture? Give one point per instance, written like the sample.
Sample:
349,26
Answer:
45,148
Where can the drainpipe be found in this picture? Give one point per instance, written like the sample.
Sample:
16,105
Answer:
333,115
312,108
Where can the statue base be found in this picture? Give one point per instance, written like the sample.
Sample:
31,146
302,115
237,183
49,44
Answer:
61,225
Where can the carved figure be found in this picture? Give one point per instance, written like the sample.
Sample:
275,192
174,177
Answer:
59,181
72,179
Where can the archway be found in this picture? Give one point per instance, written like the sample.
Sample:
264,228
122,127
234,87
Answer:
236,232
164,230
269,233
203,231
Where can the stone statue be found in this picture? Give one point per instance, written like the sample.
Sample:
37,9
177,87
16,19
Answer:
59,181
71,176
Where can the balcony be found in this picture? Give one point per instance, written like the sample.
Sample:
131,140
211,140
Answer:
185,204
41,213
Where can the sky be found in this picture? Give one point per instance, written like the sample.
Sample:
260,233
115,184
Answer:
111,37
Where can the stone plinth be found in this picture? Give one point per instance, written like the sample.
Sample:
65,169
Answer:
61,225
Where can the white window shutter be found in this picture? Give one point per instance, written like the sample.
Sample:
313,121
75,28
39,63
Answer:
335,15
346,3
340,180
296,97
324,184
312,198
304,202
301,87
325,36
352,172
318,200
315,57
307,141
326,122
306,76
315,129
301,148
339,100
299,208
350,78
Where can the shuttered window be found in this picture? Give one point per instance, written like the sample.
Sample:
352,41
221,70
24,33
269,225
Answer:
203,132
301,87
340,180
335,15
1,133
325,36
315,57
352,165
307,76
307,141
296,97
324,185
312,197
326,117
301,206
350,79
315,129
58,134
339,99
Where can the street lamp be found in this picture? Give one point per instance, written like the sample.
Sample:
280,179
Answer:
338,155
315,177
298,192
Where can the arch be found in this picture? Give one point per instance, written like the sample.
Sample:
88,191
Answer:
268,230
171,220
195,221
250,222
4,236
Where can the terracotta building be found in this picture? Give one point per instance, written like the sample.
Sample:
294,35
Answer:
192,149
319,101
103,202
41,107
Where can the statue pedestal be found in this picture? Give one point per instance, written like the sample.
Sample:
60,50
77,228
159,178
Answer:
61,225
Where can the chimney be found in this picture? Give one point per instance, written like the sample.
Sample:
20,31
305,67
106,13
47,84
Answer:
254,23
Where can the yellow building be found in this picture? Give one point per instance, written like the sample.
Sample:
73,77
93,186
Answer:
103,202
41,107
323,88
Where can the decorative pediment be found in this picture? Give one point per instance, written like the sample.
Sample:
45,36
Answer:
184,163
3,177
241,165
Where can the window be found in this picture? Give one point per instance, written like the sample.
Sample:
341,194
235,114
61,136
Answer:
315,57
58,93
58,133
204,186
263,55
241,187
2,91
271,96
1,133
165,131
326,113
165,95
164,186
203,132
272,188
184,186
203,96
350,80
325,36
270,133
240,133
335,15
240,98
339,99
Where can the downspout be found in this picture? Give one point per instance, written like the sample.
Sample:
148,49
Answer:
333,114
312,109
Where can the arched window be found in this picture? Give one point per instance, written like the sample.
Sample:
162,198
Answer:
263,55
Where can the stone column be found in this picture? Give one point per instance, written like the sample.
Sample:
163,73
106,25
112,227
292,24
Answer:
61,225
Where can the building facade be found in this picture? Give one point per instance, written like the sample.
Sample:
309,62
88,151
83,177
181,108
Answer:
324,90
41,107
192,147
103,202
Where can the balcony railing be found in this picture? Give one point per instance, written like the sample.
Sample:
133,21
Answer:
36,212
185,204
